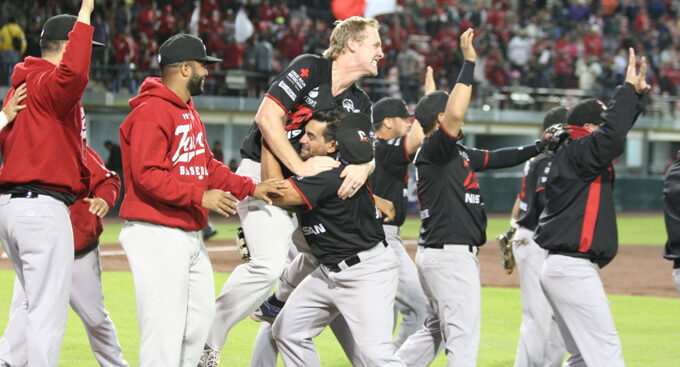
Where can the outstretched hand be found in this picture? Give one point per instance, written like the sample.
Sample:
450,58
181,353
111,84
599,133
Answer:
269,189
469,53
638,80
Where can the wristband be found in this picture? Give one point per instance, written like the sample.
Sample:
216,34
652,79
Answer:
466,75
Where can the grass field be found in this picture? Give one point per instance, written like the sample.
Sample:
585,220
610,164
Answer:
648,328
633,230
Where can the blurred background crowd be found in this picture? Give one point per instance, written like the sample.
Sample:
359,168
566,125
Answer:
530,50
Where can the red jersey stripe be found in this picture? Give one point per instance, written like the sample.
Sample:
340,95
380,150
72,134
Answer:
292,184
277,102
590,217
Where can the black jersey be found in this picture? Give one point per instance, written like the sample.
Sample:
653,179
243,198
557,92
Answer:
532,195
336,229
390,178
303,88
671,204
451,206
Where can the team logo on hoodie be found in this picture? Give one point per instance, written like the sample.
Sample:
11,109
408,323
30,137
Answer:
189,147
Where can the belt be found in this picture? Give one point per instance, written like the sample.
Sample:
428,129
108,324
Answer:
354,259
440,246
24,195
578,255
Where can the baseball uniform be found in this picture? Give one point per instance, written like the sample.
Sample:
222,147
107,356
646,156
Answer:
578,228
671,204
357,277
390,181
540,343
304,87
43,172
453,227
86,296
168,166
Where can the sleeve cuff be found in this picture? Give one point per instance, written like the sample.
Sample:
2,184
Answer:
253,185
294,186
197,195
277,102
460,133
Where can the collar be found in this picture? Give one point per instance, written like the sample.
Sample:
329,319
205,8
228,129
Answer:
577,131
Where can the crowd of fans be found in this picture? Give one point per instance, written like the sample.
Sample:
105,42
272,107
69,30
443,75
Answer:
570,44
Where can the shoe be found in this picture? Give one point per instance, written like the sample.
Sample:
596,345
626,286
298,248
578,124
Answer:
267,311
208,232
210,357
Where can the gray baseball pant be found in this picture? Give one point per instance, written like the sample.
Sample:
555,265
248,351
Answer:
268,230
575,292
450,279
363,294
174,289
540,343
676,279
37,236
410,300
87,300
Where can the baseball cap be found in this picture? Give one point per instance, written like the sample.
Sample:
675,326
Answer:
555,115
352,137
184,47
429,107
389,107
58,27
586,111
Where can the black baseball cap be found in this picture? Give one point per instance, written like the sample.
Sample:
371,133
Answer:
389,107
352,137
586,111
429,107
555,115
58,27
184,47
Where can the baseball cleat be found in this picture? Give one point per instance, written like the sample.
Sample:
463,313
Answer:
210,357
208,233
267,311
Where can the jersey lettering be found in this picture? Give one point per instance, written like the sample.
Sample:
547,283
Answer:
472,198
298,116
313,230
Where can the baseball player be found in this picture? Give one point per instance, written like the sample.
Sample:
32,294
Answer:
453,223
358,274
86,296
172,181
43,173
397,141
540,343
671,205
578,224
310,83
12,106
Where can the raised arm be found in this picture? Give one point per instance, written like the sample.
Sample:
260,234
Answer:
430,85
459,100
414,137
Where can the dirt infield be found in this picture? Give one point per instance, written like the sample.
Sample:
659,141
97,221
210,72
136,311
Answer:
636,270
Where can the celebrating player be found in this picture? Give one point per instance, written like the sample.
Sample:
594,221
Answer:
310,83
86,296
40,181
578,224
540,343
172,180
671,205
347,239
453,222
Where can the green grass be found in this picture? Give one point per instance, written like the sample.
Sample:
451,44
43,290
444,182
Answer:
633,230
648,328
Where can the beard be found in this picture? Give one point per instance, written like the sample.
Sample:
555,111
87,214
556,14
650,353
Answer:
195,84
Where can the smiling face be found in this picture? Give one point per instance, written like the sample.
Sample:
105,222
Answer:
369,50
313,143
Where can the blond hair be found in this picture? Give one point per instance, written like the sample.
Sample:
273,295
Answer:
350,28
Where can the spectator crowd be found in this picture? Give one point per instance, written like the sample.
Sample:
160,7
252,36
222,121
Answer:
569,44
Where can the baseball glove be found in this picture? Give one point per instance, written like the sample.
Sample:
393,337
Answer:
504,240
553,139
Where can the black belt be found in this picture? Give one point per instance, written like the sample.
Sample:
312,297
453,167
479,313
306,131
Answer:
349,261
578,255
24,195
440,246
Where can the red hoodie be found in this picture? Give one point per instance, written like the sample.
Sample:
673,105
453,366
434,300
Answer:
105,185
45,146
167,162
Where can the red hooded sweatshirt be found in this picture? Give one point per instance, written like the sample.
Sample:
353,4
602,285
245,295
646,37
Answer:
167,162
45,146
105,185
